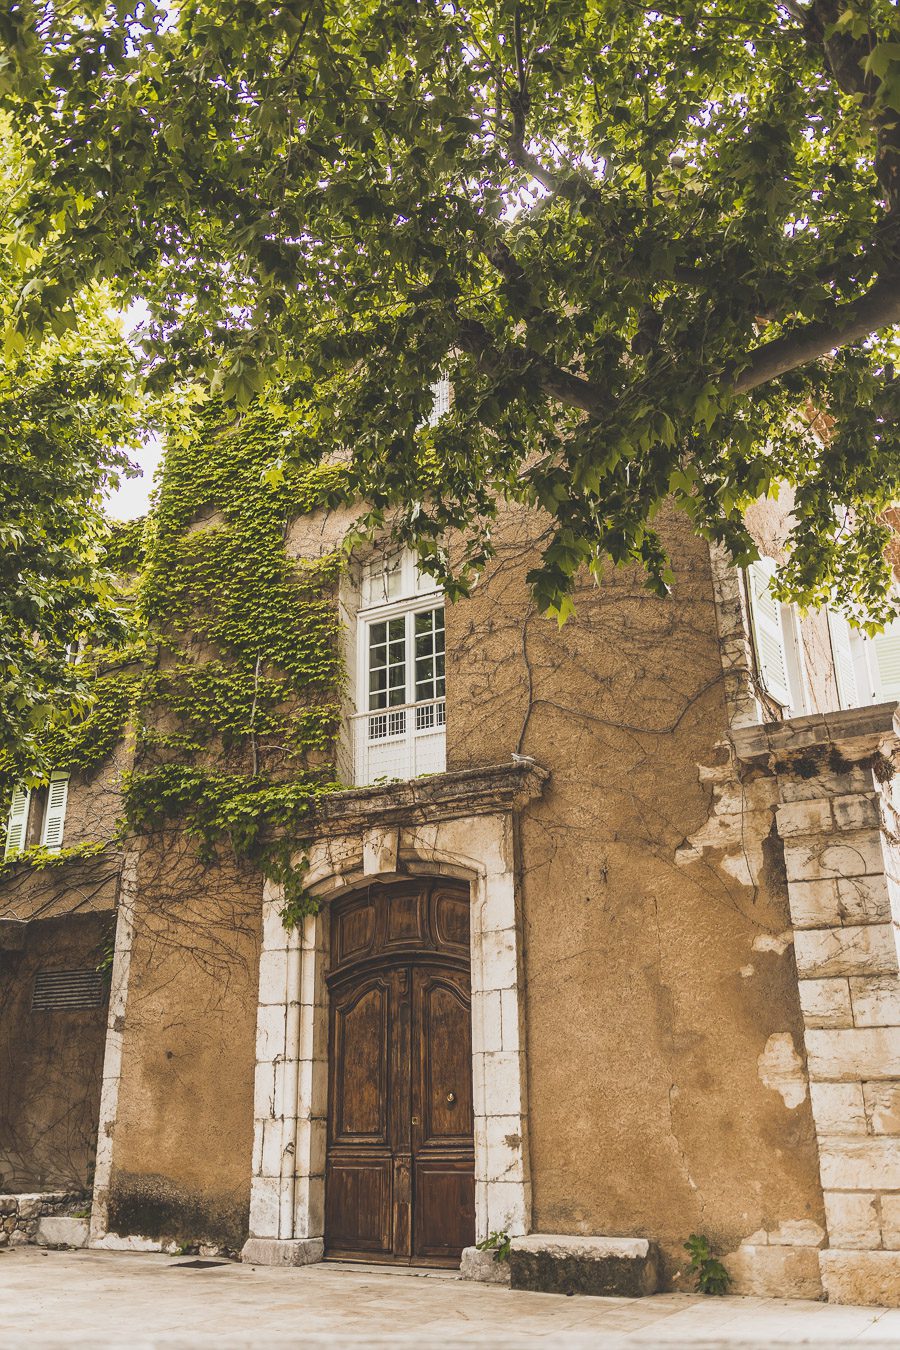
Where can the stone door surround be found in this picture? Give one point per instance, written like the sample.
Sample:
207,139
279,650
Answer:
461,825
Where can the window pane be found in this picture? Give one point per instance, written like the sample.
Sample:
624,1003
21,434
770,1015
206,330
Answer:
393,577
387,664
429,631
397,691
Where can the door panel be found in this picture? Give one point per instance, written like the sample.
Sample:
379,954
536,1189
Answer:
443,1142
361,1042
358,1205
444,1208
353,931
400,1169
404,921
443,1027
450,920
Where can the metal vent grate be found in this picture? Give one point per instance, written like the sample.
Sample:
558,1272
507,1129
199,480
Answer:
68,990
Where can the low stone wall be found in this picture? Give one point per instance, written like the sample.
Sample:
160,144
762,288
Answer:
54,1218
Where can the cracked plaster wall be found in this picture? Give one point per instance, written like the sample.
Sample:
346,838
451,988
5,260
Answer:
657,968
658,960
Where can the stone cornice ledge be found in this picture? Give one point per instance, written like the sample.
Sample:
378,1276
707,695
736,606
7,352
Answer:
499,788
853,734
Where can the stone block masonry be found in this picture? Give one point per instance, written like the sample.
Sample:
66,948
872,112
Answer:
838,823
50,1218
565,1264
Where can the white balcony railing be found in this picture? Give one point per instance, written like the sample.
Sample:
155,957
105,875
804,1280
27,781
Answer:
399,742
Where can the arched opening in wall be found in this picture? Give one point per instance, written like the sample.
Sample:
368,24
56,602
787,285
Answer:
400,1164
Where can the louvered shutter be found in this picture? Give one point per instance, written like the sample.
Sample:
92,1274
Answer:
842,655
441,394
55,811
17,822
887,662
768,632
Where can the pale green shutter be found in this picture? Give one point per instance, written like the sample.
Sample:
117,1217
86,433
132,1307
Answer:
17,822
55,811
842,656
768,632
887,662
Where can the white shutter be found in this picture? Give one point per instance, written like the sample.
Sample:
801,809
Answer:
17,822
886,647
768,632
441,394
842,657
55,811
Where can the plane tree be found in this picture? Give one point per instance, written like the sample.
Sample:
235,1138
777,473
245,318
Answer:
655,247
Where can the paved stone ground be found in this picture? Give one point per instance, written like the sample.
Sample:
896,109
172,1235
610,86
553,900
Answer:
113,1299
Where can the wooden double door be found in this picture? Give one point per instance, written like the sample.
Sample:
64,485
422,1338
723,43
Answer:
400,1166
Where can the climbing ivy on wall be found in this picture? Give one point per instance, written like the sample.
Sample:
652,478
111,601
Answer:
236,724
233,693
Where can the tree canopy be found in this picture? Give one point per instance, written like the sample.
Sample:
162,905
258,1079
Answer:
655,246
69,412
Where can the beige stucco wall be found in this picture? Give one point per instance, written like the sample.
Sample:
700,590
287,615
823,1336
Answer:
183,1127
666,1084
666,1089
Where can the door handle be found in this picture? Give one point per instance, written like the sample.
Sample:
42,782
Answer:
415,1121
451,1098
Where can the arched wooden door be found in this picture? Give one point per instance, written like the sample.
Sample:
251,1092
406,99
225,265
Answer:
400,1168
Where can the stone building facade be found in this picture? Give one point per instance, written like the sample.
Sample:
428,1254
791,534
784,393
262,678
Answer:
679,959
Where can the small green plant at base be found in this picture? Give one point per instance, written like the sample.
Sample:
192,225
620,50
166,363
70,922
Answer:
498,1243
712,1277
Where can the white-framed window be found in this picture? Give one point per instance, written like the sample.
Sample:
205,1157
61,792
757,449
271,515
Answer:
53,820
400,683
776,641
867,669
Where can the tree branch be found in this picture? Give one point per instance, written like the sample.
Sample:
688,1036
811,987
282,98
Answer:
565,387
878,308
